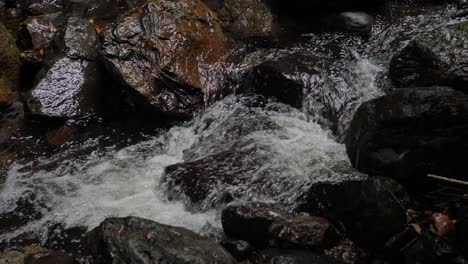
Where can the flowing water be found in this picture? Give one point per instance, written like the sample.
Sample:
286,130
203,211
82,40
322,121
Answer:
296,147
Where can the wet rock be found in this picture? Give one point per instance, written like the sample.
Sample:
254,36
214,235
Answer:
132,240
411,133
437,57
35,255
68,85
273,256
276,79
158,53
196,180
100,10
239,249
41,7
37,32
430,250
61,135
369,211
353,22
263,226
304,232
9,69
214,4
347,252
250,222
250,18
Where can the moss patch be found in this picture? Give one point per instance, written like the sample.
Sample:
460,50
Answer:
9,68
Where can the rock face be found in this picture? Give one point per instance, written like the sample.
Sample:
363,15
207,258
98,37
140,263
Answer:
438,57
136,240
69,86
411,133
158,52
9,68
370,211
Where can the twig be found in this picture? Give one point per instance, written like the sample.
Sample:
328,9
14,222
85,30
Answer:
447,179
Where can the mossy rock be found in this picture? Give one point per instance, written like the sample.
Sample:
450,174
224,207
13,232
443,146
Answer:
9,68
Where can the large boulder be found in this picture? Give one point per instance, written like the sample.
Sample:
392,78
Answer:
69,83
159,53
136,240
369,211
262,225
437,57
9,68
411,133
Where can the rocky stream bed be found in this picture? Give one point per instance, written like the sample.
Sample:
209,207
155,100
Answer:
233,131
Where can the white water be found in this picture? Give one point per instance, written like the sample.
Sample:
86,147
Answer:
126,182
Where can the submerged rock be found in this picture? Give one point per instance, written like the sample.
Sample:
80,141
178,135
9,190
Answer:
158,53
411,133
136,240
437,57
9,69
69,86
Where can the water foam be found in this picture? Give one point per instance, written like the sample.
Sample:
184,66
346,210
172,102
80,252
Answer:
84,191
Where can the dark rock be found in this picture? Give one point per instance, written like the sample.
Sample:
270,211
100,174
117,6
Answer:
100,10
369,211
274,256
41,7
353,22
411,133
214,4
250,222
437,57
274,79
432,250
136,240
69,82
9,69
304,232
263,226
239,249
35,255
37,32
158,53
250,18
347,252
223,171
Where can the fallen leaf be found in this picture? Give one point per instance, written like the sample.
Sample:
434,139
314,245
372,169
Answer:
443,225
417,228
98,30
41,51
91,20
